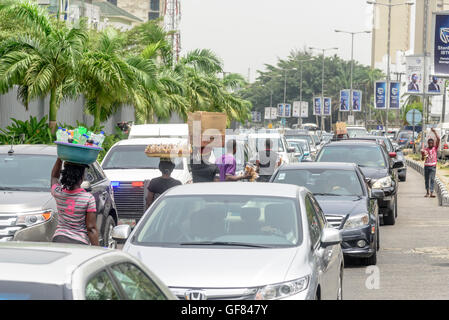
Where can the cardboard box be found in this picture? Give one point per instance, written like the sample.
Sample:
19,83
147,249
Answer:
206,127
340,128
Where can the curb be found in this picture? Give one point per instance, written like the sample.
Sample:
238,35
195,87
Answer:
440,187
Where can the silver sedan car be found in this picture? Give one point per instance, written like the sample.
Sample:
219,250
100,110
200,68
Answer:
50,271
239,241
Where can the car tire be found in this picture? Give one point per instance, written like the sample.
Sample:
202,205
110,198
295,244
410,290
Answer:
107,233
390,219
377,237
371,261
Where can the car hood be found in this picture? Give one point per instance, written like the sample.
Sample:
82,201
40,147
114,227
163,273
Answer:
216,268
139,174
341,206
23,201
375,173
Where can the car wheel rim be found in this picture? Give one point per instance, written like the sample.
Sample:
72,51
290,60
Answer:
112,244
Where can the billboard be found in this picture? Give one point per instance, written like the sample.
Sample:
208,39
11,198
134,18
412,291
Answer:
344,100
304,109
274,113
380,95
415,77
267,115
440,37
317,106
356,100
296,112
395,95
287,110
327,107
280,110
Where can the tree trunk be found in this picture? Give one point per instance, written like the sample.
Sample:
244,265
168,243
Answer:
97,116
53,111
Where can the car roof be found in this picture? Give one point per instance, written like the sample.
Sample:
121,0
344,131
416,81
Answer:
147,141
236,188
38,149
347,142
319,165
43,262
265,135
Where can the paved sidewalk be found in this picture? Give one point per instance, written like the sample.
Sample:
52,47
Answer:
413,262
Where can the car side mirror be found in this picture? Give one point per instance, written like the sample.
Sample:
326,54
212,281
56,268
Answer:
121,233
369,181
86,186
330,237
398,164
377,194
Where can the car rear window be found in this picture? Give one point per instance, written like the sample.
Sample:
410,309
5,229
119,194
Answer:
363,155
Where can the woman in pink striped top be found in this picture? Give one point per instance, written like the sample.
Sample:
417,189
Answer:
429,155
77,213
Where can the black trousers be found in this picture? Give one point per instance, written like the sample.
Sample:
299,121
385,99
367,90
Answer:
63,239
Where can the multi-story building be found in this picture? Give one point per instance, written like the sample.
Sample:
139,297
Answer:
143,9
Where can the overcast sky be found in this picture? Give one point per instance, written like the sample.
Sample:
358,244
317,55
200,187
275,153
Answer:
249,33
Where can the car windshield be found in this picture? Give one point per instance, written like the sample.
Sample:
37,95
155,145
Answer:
405,135
363,155
295,145
323,181
356,132
23,172
222,220
20,290
134,157
306,137
315,138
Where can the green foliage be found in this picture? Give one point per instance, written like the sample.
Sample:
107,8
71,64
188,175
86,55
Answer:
32,131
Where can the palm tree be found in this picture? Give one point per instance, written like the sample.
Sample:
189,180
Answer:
42,60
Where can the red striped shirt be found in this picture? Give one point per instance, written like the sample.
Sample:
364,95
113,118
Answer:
73,206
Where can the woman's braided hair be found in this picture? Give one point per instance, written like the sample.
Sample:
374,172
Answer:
71,175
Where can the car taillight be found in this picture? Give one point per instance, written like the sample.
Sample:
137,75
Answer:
137,184
446,146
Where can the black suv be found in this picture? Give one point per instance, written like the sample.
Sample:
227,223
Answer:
27,209
346,200
377,166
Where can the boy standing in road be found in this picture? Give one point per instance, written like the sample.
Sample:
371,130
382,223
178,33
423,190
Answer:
227,164
429,155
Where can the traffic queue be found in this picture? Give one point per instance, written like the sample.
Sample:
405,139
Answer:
252,214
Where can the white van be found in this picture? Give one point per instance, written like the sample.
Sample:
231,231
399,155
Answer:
168,130
280,145
130,170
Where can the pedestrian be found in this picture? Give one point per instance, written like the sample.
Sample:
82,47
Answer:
267,161
159,185
429,155
227,164
201,167
77,213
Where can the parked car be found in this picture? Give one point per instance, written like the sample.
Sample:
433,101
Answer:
240,241
50,271
354,131
347,202
280,145
27,208
375,163
168,130
130,171
394,152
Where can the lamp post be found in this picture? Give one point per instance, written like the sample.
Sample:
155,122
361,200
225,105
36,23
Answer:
300,87
352,63
322,85
389,5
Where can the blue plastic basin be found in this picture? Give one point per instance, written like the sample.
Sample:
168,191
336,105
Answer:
77,154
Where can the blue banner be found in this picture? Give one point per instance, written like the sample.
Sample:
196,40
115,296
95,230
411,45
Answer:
280,110
380,95
287,110
344,100
327,106
441,44
356,100
395,95
317,106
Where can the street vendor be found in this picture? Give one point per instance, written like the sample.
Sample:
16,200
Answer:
201,167
227,164
159,185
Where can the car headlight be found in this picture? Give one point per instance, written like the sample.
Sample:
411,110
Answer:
382,183
31,219
356,221
282,290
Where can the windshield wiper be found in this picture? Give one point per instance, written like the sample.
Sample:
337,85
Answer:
222,243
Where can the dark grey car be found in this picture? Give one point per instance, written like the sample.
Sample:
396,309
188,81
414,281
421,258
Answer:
28,210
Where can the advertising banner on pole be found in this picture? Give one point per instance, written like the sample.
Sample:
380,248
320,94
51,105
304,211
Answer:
304,109
356,100
327,107
440,37
415,74
287,110
380,95
317,106
395,95
296,113
274,113
280,110
267,115
344,100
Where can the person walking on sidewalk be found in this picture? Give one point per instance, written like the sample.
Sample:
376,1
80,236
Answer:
429,155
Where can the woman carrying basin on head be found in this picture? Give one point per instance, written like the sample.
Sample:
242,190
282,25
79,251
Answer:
77,213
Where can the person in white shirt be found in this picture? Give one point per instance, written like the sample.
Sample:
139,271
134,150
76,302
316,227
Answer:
267,162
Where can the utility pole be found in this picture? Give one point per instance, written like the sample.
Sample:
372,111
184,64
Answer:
443,112
300,89
425,104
